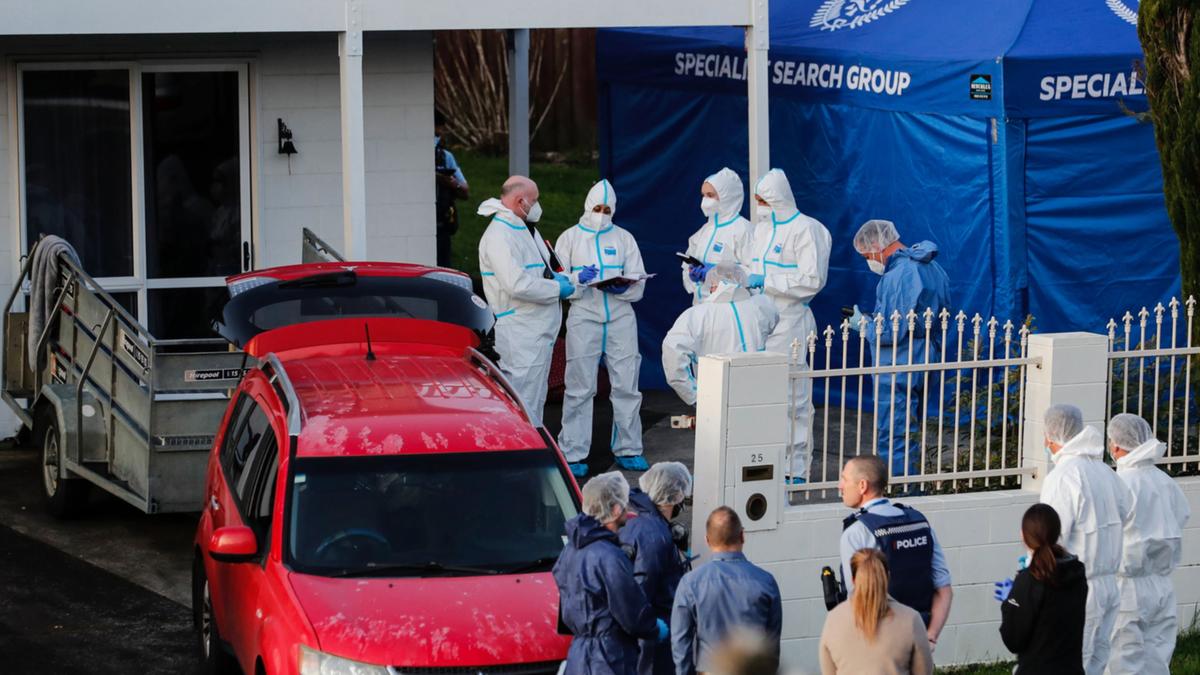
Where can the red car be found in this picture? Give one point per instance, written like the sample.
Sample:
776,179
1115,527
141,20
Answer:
378,500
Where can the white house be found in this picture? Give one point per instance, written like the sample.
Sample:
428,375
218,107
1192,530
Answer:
148,132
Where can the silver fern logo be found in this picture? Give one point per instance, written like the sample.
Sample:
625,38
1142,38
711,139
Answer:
1126,9
839,14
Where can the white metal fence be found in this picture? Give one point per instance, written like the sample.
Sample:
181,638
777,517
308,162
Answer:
1150,373
948,419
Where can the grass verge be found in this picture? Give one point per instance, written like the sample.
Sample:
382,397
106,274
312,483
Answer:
562,186
1186,660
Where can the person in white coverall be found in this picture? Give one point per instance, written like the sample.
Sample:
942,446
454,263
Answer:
721,236
788,258
522,290
1094,506
601,325
729,320
1144,637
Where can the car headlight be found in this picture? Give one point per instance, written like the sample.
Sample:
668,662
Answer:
313,662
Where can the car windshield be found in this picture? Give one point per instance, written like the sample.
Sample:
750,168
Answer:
345,294
429,514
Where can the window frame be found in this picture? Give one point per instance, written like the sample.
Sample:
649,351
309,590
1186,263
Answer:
139,282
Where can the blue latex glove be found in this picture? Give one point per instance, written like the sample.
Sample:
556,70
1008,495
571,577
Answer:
697,272
587,274
616,289
756,281
664,631
565,287
856,318
1003,588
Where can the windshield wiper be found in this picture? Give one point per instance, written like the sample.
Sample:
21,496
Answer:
326,280
539,565
420,569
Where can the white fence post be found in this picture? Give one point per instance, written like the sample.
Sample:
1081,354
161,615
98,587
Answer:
1074,369
742,424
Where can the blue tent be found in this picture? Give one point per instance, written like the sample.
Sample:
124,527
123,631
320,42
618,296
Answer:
1000,130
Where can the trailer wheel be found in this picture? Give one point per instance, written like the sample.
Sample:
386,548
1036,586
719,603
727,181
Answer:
65,497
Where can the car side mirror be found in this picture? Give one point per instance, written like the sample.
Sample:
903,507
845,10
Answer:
233,545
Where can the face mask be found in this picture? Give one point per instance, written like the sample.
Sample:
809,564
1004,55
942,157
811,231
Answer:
876,267
535,213
599,219
1028,559
676,510
708,206
763,212
1049,454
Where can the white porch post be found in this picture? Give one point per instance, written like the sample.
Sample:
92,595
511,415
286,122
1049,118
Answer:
354,171
758,40
518,102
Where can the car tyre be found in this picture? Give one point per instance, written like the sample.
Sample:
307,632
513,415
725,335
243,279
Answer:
214,660
65,497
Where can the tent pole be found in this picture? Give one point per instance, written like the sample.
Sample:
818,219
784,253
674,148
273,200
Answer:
757,42
518,102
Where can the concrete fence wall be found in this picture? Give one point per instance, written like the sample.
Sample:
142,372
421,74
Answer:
741,432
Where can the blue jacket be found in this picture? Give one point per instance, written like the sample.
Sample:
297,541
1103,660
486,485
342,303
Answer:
657,568
725,593
912,281
600,602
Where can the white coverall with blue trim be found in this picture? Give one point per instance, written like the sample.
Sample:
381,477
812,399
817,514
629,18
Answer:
729,321
723,235
792,253
601,324
528,315
1094,507
1143,638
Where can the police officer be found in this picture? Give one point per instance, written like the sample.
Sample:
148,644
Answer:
919,575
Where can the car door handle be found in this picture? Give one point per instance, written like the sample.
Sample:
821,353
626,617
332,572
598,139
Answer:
213,503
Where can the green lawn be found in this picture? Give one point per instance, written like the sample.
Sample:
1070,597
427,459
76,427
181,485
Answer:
1185,662
562,186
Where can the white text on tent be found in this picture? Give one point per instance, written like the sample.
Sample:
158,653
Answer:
793,73
1097,85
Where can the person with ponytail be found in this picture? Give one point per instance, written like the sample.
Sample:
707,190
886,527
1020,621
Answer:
870,633
1044,609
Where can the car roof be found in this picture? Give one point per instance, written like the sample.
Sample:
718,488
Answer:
430,401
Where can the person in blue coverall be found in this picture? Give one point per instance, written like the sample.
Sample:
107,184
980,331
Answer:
912,281
599,600
658,564
723,597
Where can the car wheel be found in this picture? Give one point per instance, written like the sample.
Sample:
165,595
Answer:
65,497
214,660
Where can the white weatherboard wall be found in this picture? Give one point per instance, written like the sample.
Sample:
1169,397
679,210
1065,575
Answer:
741,423
298,82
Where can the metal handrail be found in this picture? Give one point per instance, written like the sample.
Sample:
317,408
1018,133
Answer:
319,246
496,374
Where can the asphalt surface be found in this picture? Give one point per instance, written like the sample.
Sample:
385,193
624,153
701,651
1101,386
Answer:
63,615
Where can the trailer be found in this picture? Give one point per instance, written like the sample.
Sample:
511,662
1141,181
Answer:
111,406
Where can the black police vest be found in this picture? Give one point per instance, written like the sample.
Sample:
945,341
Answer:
907,542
